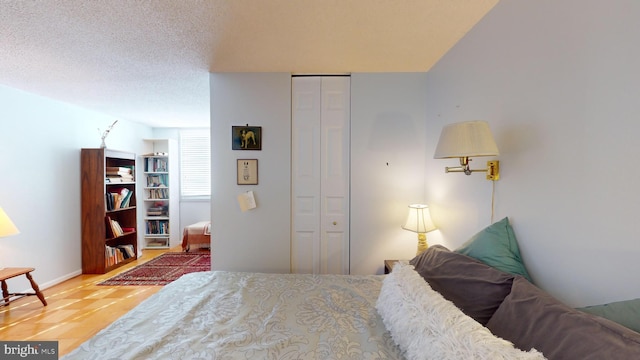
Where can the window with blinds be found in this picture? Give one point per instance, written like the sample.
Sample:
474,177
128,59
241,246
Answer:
195,163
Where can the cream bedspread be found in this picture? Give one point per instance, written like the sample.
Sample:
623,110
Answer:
196,234
229,315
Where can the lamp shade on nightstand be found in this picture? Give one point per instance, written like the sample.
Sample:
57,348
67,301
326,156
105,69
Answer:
419,221
7,228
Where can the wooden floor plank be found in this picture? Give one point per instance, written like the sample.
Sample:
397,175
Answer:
76,308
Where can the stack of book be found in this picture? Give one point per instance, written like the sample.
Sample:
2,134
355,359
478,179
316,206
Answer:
157,227
159,193
114,255
157,180
155,165
119,174
114,229
158,209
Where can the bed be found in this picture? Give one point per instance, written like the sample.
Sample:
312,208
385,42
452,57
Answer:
443,304
196,235
233,315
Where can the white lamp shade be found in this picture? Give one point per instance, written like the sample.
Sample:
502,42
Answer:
466,139
419,219
7,228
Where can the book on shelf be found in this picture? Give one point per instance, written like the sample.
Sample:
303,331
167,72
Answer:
127,198
159,193
117,174
118,179
118,170
152,164
113,228
157,227
109,230
127,250
158,210
108,201
118,198
117,230
158,243
157,180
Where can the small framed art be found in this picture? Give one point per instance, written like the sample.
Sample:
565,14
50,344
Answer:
247,172
246,137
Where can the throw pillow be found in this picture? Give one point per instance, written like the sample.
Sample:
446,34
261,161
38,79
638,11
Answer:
426,326
531,318
625,313
474,287
496,246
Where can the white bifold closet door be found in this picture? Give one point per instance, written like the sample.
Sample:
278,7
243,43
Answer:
321,114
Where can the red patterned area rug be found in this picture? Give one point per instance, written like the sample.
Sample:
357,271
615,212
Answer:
163,269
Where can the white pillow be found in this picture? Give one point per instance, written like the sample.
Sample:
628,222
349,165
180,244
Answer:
427,326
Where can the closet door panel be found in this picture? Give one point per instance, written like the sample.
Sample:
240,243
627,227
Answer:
320,174
305,177
335,124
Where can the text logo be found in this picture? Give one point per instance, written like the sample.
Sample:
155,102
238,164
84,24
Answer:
34,350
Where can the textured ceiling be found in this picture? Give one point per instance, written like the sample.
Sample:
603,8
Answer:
148,61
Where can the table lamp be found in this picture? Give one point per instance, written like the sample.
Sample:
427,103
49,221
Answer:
419,221
7,228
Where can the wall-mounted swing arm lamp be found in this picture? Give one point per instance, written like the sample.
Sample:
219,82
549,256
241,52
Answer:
465,140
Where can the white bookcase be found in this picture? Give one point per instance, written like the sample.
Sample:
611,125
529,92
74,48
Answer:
160,194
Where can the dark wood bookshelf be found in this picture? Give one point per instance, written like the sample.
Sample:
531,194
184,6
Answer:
94,186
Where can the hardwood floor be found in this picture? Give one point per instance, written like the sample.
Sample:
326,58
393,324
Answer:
77,308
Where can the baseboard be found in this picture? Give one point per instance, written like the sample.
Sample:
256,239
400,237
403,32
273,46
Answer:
57,281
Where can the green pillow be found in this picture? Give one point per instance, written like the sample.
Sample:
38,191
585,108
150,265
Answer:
496,246
625,313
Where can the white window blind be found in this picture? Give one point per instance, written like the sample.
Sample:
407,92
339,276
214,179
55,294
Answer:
195,163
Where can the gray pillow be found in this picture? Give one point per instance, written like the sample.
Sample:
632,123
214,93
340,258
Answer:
474,287
531,318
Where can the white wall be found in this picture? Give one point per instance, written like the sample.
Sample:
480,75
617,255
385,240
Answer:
40,142
256,240
387,169
558,81
388,114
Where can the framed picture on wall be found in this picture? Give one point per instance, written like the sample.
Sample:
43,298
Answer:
247,172
246,137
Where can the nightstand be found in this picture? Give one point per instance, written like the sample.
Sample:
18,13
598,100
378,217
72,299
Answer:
388,265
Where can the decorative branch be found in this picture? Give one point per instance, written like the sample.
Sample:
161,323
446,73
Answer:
106,133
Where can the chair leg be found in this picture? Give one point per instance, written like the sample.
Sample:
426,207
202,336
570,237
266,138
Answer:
36,289
5,292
